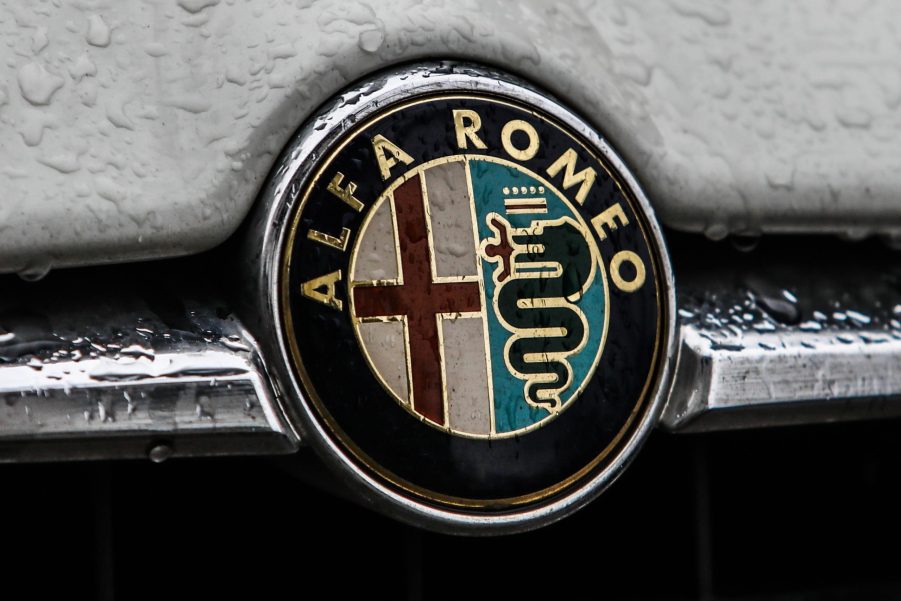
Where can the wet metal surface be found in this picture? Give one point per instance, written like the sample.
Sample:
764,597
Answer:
125,362
802,331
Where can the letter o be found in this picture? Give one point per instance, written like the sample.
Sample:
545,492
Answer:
637,263
507,133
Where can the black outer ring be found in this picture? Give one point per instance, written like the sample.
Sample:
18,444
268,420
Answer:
384,436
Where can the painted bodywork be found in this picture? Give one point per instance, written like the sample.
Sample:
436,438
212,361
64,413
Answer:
137,129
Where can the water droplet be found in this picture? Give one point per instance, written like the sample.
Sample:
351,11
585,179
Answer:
858,317
780,309
39,40
234,343
98,32
138,351
38,85
160,453
744,242
195,6
36,270
716,231
371,40
810,326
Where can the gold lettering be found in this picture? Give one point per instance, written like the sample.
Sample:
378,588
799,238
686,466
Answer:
346,194
585,177
507,133
468,131
388,155
608,218
340,243
314,290
617,261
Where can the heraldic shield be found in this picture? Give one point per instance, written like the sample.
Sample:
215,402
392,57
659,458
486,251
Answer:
478,296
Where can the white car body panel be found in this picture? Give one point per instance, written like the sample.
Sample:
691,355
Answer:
137,129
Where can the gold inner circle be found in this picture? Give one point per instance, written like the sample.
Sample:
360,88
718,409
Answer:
384,197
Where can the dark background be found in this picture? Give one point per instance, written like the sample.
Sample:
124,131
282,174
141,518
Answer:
791,513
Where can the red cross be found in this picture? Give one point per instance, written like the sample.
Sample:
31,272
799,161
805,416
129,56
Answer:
419,299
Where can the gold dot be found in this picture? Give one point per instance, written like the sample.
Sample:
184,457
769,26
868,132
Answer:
541,189
531,189
506,190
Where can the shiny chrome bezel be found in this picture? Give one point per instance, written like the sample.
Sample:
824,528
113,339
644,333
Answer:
270,225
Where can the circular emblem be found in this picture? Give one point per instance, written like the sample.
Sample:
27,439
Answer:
473,297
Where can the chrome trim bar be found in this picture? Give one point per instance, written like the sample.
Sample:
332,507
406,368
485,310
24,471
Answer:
820,352
89,375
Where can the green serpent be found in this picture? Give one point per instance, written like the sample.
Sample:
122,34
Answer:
539,349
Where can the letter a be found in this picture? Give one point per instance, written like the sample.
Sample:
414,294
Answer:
388,155
313,290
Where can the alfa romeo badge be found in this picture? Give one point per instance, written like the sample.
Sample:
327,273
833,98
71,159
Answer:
473,297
